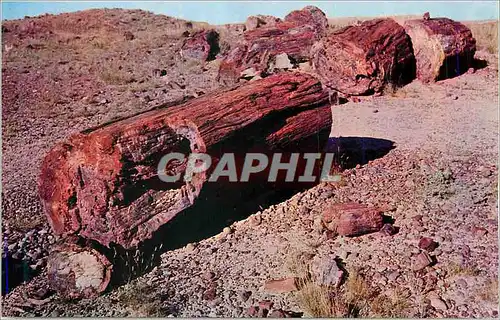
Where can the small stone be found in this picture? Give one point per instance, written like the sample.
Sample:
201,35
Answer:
281,285
278,314
266,304
209,294
438,304
282,62
227,231
252,311
190,247
427,244
209,275
326,270
375,111
128,35
249,73
245,295
421,261
388,230
393,276
471,70
479,231
262,313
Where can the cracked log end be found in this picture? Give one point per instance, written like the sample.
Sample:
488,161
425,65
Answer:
78,272
104,185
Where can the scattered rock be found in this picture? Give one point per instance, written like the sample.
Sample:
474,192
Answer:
245,295
266,304
203,45
388,229
326,271
438,304
281,285
128,35
427,244
421,261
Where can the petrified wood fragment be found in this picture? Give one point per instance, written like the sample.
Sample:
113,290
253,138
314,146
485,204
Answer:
203,45
362,59
103,185
443,48
352,219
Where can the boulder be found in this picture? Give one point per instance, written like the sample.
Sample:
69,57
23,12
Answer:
325,270
203,45
352,219
363,59
443,48
309,15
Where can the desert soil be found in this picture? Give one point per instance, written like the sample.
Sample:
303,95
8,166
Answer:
438,180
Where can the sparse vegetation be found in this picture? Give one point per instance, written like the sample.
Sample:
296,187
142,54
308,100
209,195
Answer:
138,300
456,269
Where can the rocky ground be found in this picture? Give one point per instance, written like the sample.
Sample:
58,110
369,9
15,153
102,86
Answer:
435,177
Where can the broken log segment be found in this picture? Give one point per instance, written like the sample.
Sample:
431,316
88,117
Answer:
352,219
103,184
260,46
77,271
443,48
363,59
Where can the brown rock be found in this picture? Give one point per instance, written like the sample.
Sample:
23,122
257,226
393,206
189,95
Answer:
362,59
443,48
309,15
352,219
203,45
129,35
278,314
252,311
427,244
426,16
388,229
281,285
102,184
209,294
479,231
421,261
266,304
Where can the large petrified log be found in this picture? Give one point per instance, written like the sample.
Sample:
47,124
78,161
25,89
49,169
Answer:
103,184
203,45
362,59
443,48
294,37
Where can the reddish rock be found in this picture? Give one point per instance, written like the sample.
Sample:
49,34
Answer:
281,285
278,314
352,219
102,184
479,231
128,35
294,37
252,311
203,45
209,294
421,261
266,304
443,48
427,244
362,59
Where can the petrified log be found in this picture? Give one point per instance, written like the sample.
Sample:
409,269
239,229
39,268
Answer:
443,48
103,184
294,36
352,219
362,59
203,45
77,271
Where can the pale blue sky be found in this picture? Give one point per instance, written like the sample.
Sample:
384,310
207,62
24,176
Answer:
236,11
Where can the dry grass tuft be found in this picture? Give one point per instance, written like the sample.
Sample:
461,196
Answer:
456,269
490,293
392,305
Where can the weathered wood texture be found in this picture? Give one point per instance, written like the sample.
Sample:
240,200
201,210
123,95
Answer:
293,36
362,59
103,185
443,48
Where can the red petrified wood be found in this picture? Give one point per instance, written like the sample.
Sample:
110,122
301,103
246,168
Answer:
294,36
443,47
352,219
360,60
